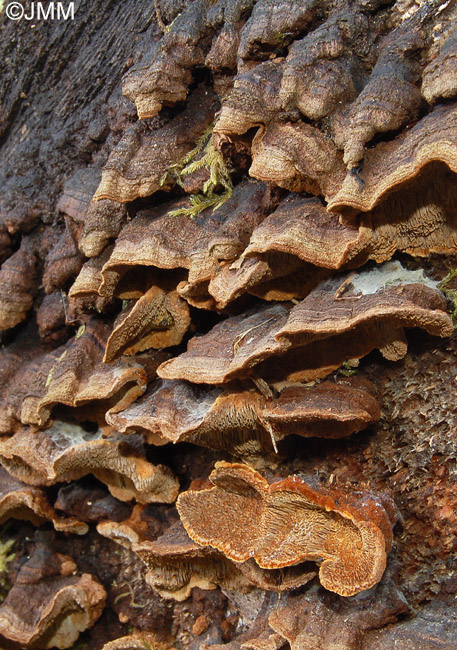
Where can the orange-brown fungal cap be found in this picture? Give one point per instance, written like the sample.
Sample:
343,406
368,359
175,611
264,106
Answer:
78,192
157,320
66,452
318,71
304,228
298,157
290,522
177,411
63,262
46,607
391,163
21,501
390,99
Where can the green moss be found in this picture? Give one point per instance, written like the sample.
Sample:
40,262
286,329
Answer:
451,294
5,558
203,156
349,368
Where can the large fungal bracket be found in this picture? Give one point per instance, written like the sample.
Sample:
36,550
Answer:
289,522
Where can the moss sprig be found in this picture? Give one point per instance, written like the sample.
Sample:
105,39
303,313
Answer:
203,156
451,294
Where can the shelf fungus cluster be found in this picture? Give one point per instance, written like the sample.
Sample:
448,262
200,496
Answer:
186,349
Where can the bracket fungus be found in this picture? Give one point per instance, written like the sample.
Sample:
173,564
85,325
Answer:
289,522
65,603
204,289
75,376
321,331
137,165
18,285
65,452
157,238
321,620
242,421
21,501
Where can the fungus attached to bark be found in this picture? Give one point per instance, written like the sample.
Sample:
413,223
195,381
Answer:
50,604
66,452
18,286
75,376
298,157
318,619
289,522
137,165
433,138
439,78
243,421
325,328
231,348
304,228
21,501
157,320
156,238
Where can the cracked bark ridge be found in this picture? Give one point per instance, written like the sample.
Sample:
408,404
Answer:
66,452
289,522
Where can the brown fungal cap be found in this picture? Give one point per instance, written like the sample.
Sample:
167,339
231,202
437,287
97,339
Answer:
46,607
389,164
387,293
18,285
176,564
298,157
137,165
21,501
230,349
383,302
74,375
103,221
157,320
289,522
304,228
327,410
439,79
158,238
243,421
65,452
